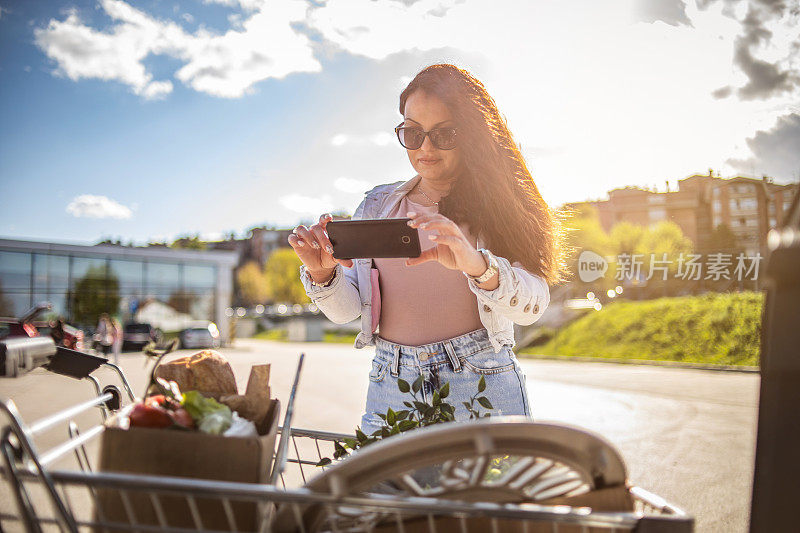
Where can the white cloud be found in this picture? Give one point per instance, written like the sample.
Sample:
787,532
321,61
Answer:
306,205
351,186
339,139
380,138
225,65
91,206
212,236
157,89
248,5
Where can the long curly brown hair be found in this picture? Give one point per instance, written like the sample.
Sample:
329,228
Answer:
495,194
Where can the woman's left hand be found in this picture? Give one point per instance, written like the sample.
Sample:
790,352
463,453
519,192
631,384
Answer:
452,249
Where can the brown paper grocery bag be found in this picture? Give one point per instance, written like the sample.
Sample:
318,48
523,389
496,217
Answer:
190,454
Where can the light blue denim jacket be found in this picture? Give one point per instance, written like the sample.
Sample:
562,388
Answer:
520,298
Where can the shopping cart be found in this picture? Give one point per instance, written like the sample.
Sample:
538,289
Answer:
60,489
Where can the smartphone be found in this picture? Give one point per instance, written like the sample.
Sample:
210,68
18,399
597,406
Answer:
383,237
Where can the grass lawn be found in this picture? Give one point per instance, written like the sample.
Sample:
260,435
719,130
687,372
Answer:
713,328
328,336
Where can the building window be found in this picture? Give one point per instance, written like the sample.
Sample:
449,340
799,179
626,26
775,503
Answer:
657,214
717,206
744,189
742,221
655,199
752,222
748,203
717,221
773,223
15,283
51,282
786,205
716,191
733,203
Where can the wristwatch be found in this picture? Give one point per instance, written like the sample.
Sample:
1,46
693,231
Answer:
492,267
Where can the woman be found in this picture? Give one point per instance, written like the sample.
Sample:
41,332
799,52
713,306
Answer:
117,338
104,335
490,247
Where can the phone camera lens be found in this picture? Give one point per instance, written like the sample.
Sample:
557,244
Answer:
406,239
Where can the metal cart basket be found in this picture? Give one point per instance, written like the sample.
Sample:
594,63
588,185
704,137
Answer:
58,488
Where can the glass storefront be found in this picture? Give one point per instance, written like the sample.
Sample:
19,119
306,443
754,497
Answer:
81,286
15,283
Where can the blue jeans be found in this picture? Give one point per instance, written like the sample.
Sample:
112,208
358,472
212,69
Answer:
461,361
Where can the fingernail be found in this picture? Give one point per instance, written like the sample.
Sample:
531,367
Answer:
329,248
300,243
315,245
411,214
411,223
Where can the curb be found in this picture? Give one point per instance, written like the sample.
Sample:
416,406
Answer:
669,364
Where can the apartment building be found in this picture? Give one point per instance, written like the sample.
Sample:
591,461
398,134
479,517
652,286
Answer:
748,207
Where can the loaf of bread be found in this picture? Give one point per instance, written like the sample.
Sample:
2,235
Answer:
207,372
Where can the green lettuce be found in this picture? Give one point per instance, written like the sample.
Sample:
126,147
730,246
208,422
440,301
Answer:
209,415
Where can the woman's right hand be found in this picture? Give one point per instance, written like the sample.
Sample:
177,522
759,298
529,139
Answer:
315,250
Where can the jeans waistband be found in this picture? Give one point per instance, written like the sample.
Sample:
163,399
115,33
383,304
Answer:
435,353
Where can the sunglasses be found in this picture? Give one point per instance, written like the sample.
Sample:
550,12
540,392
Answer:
412,137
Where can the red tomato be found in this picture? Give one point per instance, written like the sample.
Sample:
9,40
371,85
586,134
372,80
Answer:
157,400
150,416
182,418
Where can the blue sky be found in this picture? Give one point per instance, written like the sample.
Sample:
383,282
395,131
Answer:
154,119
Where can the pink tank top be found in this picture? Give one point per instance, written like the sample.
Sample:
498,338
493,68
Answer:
427,302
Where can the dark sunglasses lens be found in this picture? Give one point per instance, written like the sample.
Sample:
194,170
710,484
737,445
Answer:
411,138
444,139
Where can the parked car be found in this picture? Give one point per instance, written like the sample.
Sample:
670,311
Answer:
200,337
137,334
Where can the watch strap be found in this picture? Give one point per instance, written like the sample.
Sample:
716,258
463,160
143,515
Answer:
491,267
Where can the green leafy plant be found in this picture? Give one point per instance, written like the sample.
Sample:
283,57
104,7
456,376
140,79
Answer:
419,414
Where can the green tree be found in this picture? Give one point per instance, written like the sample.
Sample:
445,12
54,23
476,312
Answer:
625,238
252,284
584,232
665,237
95,293
723,239
189,243
282,273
